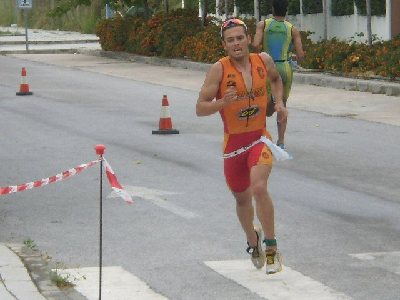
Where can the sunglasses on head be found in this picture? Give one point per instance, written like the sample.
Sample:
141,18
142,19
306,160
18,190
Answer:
232,23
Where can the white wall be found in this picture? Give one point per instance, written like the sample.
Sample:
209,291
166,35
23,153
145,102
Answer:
343,27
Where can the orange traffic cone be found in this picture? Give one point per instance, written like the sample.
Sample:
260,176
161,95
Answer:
24,87
165,124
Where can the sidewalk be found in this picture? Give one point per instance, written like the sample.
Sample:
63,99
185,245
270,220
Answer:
23,272
15,282
374,86
45,41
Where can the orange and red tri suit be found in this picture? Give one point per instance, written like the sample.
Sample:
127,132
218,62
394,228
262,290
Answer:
244,122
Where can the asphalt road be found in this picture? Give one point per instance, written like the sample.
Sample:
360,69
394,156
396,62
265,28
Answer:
336,203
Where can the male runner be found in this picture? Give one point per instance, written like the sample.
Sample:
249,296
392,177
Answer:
235,87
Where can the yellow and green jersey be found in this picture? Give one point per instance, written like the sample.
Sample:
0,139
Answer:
277,40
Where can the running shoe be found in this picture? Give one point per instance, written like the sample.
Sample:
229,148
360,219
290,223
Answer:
274,261
256,252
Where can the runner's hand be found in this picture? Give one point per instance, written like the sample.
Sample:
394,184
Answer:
230,95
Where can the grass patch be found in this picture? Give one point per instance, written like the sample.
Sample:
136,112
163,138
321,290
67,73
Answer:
30,244
60,280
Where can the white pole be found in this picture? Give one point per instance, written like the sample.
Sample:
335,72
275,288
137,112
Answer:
301,16
355,16
256,10
389,19
356,21
369,30
200,9
328,18
183,3
325,9
235,9
217,10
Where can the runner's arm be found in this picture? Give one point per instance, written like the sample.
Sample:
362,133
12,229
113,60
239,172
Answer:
258,37
297,44
205,105
276,86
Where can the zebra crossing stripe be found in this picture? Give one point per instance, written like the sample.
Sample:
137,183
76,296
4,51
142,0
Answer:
288,284
117,283
389,261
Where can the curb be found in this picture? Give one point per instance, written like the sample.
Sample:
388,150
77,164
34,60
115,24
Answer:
153,60
39,268
54,42
40,51
374,86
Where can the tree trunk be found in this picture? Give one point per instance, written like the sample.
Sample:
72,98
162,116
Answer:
166,6
226,9
369,31
146,9
204,4
217,9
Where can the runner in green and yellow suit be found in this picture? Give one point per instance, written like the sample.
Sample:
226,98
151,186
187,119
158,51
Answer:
279,38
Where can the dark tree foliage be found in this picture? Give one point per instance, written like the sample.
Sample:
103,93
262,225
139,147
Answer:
342,7
378,7
294,7
312,7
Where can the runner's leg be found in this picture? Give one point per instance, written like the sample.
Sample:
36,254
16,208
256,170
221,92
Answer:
264,207
245,213
286,73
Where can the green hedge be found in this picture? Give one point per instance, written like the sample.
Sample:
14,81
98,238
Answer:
170,36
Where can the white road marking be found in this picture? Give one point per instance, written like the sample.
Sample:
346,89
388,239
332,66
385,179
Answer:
117,283
385,260
153,195
285,285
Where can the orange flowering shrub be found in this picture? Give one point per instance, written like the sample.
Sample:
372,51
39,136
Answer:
112,33
180,34
353,59
205,46
160,34
388,58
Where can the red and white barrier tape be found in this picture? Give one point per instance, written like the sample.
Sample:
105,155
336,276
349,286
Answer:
117,188
112,179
